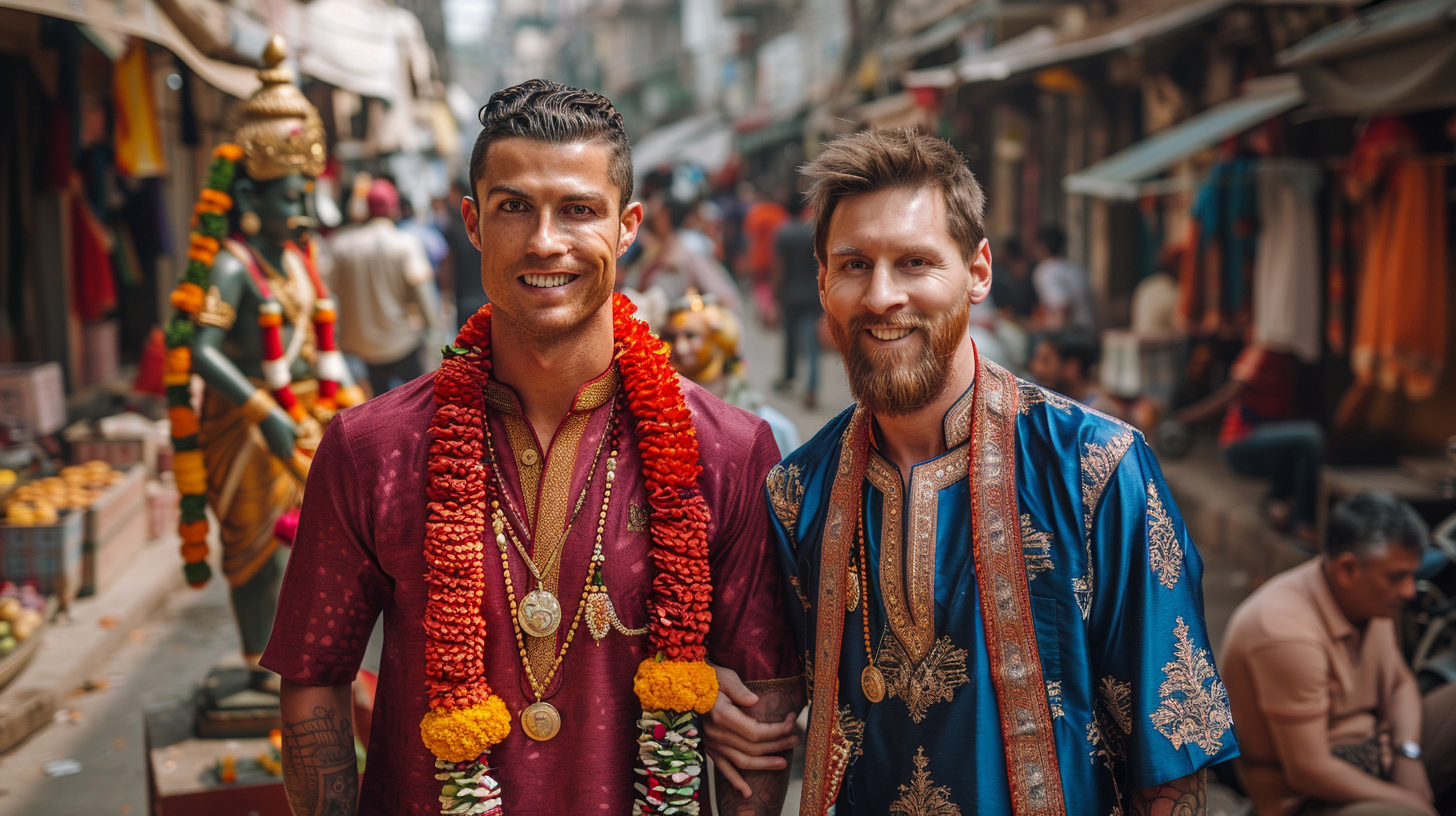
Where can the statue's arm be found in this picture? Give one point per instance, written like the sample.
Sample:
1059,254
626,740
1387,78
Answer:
220,373
208,360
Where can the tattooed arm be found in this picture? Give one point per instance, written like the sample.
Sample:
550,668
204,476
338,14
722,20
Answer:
751,735
1184,796
320,772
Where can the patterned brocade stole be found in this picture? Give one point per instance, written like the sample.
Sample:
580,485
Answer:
1015,665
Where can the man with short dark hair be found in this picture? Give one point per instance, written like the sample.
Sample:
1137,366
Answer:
1063,361
1330,718
558,532
1064,297
1001,609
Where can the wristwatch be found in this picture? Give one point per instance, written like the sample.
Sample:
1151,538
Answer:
1409,749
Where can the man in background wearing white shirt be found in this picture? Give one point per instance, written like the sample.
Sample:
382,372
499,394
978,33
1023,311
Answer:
380,271
1063,295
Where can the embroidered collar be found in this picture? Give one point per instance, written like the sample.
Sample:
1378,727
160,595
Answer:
591,396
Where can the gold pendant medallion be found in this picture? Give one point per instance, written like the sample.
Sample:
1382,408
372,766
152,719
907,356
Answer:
540,613
873,683
540,721
598,613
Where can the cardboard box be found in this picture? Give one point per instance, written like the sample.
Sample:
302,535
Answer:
32,395
49,554
116,529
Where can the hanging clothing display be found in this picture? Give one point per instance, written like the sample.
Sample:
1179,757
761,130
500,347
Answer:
1400,320
138,134
93,286
1217,274
1286,262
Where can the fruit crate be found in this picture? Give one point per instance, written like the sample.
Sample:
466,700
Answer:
48,554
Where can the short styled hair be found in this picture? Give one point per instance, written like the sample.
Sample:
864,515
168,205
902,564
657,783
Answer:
1370,520
1075,344
874,160
556,114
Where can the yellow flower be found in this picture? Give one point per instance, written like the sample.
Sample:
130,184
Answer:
464,734
676,685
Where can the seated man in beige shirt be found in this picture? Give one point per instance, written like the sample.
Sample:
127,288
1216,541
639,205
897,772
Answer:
1329,717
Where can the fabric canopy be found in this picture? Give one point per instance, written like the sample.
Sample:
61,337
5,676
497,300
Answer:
142,18
1041,46
1395,58
1123,175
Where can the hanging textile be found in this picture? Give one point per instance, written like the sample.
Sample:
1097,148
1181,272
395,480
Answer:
93,285
138,133
1400,321
1286,262
1217,273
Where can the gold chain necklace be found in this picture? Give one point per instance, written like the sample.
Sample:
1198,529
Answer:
540,610
282,287
540,720
871,680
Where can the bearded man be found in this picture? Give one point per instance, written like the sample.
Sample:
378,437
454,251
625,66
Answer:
1001,610
553,473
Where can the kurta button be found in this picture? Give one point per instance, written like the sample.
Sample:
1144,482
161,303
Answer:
529,457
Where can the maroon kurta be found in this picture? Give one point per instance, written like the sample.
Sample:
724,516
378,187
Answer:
359,552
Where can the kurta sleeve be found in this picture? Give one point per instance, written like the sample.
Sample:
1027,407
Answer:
748,631
334,588
1159,698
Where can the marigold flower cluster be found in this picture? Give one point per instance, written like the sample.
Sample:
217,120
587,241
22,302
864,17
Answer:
209,227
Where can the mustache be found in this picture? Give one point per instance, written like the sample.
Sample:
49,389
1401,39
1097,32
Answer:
859,323
301,222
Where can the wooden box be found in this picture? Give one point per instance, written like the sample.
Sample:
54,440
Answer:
116,529
33,395
48,554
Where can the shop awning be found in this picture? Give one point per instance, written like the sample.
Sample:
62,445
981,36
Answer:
142,18
705,140
1124,175
1042,47
1394,58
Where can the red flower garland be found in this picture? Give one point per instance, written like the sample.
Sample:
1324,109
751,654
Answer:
462,724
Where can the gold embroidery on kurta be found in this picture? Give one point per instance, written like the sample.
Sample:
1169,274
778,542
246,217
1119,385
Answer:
1194,706
1031,394
799,590
1054,698
846,743
637,518
1036,546
1098,465
907,572
922,797
926,682
786,497
1165,556
1115,697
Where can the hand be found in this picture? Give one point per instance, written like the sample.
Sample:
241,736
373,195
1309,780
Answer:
1411,775
280,432
736,741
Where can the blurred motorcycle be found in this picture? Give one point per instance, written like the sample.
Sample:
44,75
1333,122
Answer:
1430,622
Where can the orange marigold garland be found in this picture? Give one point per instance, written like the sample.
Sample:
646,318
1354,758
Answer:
466,718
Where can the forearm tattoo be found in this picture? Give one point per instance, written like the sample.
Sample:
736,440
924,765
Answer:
1184,796
320,771
769,787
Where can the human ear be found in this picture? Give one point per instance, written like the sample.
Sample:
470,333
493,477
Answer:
981,272
471,215
631,222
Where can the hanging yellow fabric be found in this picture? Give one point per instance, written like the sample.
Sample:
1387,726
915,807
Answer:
138,133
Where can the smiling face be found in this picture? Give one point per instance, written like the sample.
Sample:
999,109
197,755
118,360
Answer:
897,291
547,221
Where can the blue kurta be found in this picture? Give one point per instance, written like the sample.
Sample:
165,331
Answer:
1116,599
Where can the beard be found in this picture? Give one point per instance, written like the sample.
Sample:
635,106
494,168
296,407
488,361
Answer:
895,382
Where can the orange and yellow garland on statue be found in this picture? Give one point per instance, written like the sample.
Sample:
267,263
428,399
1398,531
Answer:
466,718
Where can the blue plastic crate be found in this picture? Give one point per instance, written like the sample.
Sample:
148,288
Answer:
48,554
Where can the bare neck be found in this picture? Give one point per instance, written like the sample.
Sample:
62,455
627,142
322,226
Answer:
913,438
546,374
